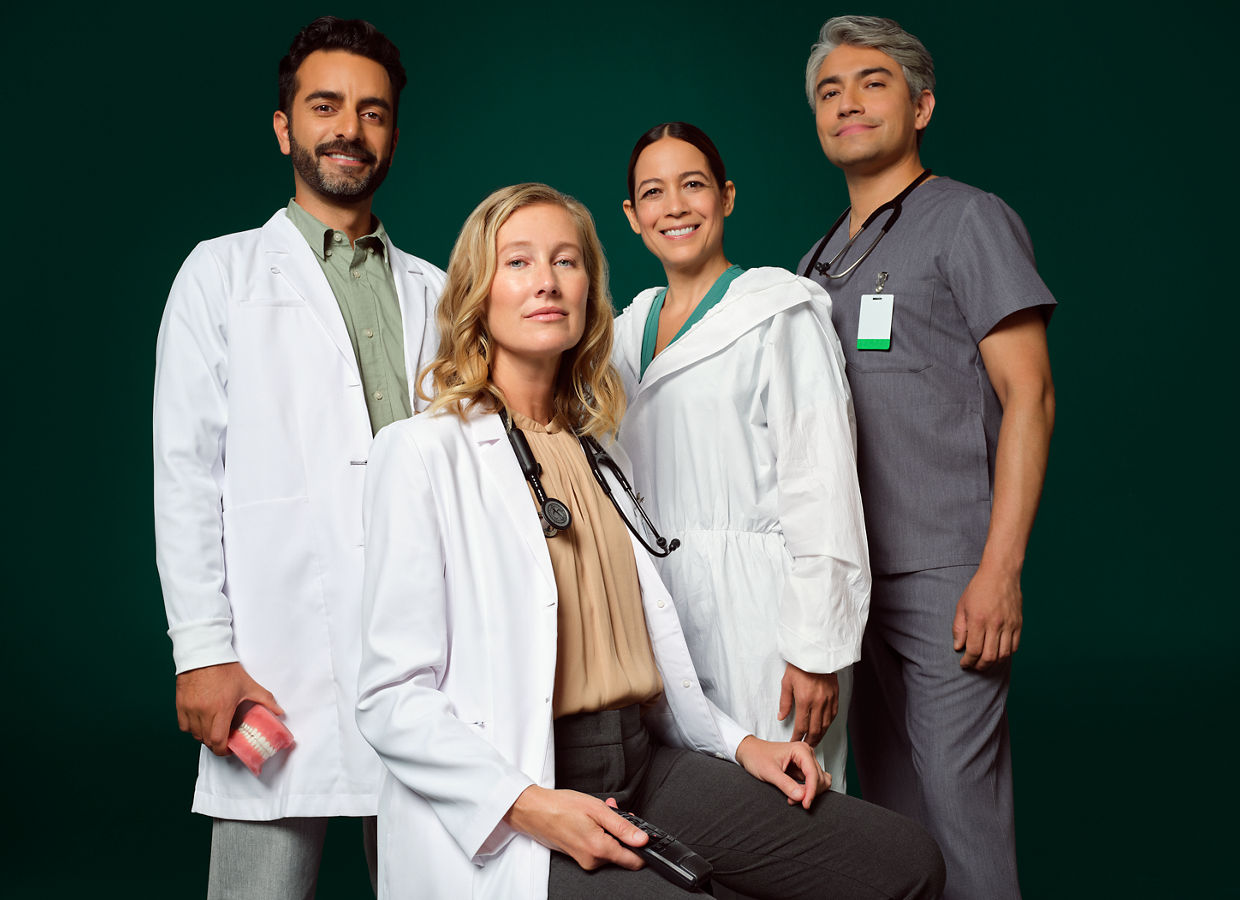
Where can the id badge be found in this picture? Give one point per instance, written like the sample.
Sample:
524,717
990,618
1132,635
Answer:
874,324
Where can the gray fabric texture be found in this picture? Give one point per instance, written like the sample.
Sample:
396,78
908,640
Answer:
760,846
276,860
958,261
930,740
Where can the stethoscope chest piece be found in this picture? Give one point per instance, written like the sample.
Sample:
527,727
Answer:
554,516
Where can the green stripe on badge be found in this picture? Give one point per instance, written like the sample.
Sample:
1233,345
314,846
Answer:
873,343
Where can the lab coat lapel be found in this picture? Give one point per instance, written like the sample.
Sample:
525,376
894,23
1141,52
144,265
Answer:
741,309
411,294
291,258
503,475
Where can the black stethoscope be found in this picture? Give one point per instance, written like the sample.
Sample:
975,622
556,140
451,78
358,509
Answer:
895,205
553,514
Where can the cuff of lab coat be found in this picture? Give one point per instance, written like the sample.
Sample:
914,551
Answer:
204,643
495,841
815,657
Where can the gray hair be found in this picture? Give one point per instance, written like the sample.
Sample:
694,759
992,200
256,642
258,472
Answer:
881,34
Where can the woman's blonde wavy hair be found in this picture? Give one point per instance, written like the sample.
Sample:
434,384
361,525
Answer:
589,397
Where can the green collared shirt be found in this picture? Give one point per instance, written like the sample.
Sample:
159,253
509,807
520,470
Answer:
361,279
650,335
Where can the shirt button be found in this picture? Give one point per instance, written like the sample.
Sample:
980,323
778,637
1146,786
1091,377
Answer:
378,395
327,253
370,250
357,274
661,604
369,333
685,683
337,238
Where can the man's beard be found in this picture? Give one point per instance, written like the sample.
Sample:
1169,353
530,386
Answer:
340,186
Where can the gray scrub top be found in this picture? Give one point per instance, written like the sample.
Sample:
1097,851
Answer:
958,261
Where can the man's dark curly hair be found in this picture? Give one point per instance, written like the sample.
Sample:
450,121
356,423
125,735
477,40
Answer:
352,35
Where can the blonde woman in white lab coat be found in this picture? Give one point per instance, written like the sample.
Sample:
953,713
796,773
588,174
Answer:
741,433
518,671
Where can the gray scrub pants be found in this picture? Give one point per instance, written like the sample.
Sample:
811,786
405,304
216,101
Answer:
842,848
277,860
930,739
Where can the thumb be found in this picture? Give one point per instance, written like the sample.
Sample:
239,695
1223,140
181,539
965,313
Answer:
263,697
959,629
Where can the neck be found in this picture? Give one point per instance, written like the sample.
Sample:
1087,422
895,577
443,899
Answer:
354,219
687,285
528,385
867,191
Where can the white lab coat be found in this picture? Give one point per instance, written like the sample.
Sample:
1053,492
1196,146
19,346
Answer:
261,439
459,657
743,444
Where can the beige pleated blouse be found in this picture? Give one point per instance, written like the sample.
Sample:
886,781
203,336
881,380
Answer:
605,659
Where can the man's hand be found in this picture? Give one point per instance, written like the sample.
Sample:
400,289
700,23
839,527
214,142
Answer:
577,824
988,619
816,699
774,762
207,699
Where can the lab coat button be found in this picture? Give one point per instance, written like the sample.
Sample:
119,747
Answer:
685,682
662,604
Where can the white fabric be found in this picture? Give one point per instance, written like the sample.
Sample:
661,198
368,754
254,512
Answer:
743,445
458,660
261,439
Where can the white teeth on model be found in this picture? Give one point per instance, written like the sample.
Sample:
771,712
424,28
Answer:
342,156
679,232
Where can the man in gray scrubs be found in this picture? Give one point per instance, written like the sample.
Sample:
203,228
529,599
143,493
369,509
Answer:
942,317
282,350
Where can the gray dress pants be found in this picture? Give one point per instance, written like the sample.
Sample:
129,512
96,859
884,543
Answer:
842,848
276,860
929,739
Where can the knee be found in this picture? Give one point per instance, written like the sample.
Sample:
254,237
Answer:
927,872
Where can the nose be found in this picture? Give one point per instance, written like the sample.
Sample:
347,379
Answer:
548,281
849,103
348,127
676,205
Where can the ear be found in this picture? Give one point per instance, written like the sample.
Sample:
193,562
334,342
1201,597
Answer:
729,198
280,123
924,108
631,213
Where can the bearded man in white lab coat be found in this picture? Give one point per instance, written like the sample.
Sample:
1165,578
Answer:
282,350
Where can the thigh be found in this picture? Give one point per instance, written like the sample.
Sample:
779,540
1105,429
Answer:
761,846
277,860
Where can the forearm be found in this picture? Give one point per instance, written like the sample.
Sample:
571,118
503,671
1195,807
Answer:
1020,469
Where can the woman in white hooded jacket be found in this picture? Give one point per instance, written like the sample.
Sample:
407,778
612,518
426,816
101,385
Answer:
741,433
523,667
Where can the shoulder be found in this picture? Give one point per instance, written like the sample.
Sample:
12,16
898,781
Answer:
777,292
972,205
631,322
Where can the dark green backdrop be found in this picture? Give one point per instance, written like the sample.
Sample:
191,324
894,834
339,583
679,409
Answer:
133,134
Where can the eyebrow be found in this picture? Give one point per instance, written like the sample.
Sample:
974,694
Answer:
698,172
337,97
864,73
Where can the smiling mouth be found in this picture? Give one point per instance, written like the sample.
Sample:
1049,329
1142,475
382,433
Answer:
346,158
679,232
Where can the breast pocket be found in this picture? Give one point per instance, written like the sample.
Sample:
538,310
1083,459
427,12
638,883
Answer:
271,300
912,333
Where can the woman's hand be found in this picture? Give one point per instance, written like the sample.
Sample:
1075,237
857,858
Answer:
777,763
577,824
